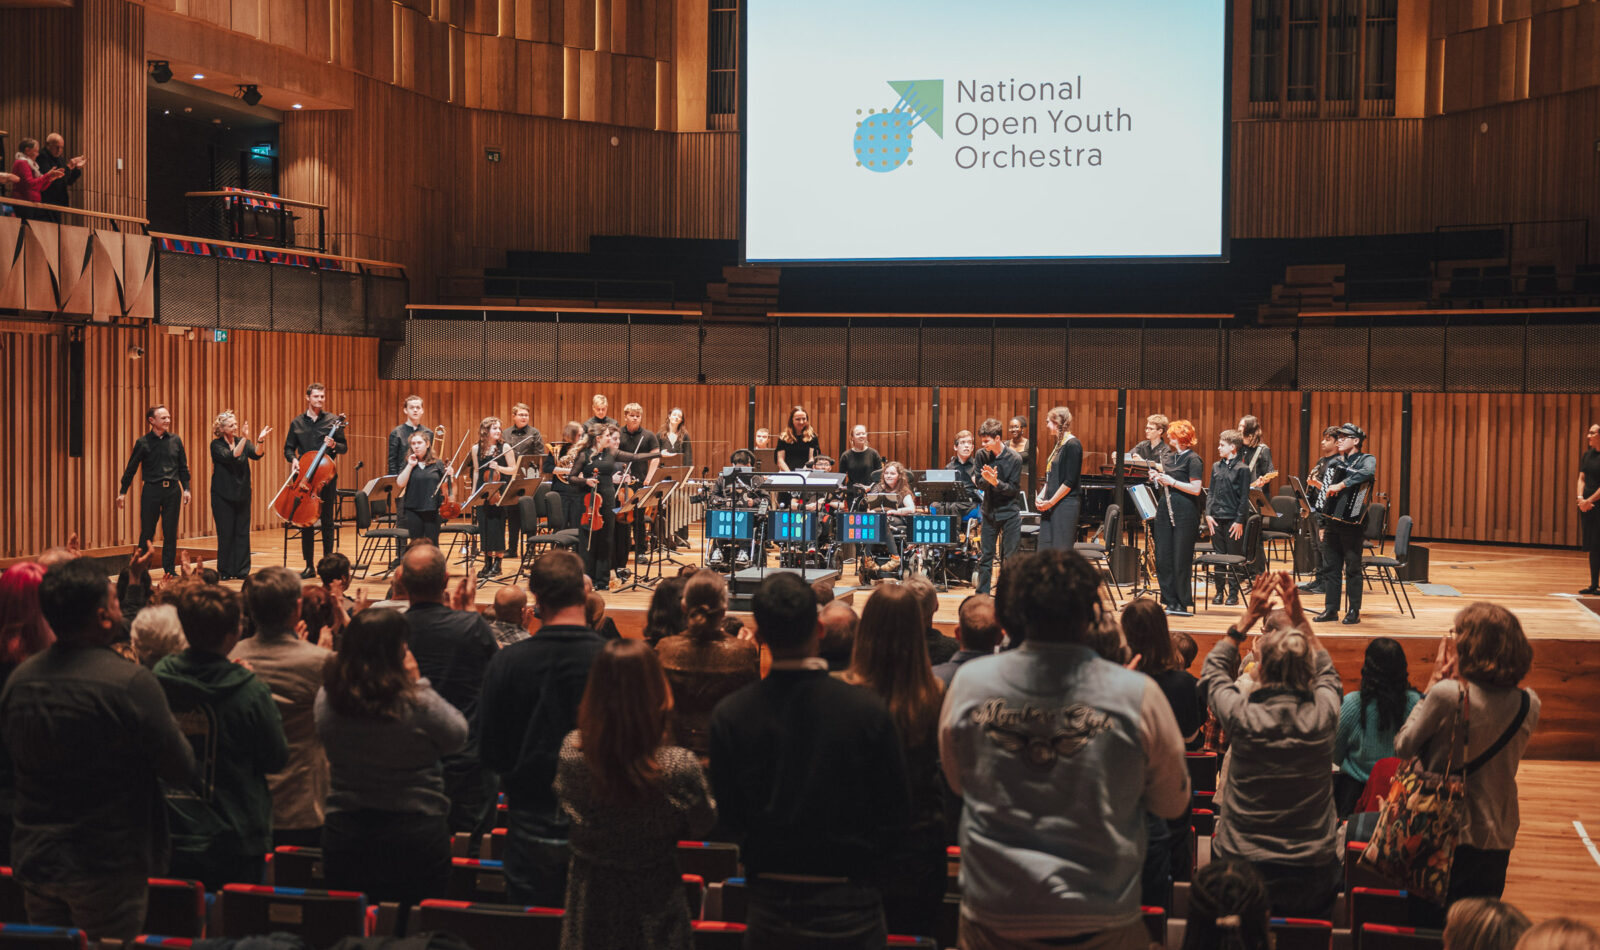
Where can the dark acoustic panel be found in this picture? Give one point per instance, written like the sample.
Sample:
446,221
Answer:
1483,359
1031,355
344,305
1333,359
386,299
1103,358
1261,358
1560,358
296,299
811,355
957,355
187,290
244,295
737,353
445,349
593,352
884,356
1406,359
520,349
1181,358
394,361
664,352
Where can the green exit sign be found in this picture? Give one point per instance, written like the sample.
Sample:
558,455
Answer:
219,336
492,154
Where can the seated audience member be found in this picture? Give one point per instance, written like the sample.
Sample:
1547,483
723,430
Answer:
808,774
1486,659
531,692
293,669
631,797
1229,907
452,648
1560,933
323,619
385,731
1144,626
222,820
940,647
1369,719
1188,650
510,604
1104,637
334,573
1483,923
594,616
665,617
1057,755
156,633
88,735
23,633
839,624
703,664
1276,808
891,661
977,631
823,589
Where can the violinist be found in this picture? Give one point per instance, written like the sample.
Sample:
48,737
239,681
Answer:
420,480
400,435
601,470
308,433
527,443
569,486
640,448
166,483
231,455
492,462
999,476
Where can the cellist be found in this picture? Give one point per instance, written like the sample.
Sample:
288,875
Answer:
308,433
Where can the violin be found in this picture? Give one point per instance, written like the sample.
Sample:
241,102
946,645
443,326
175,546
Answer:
625,509
299,501
450,508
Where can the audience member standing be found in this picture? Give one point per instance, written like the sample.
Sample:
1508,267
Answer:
222,819
631,797
292,668
1486,660
808,772
30,180
704,664
531,692
52,158
23,633
1057,754
1369,719
1276,808
88,735
452,649
386,731
977,631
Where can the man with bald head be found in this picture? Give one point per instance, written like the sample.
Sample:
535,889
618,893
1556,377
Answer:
452,648
53,155
509,605
838,621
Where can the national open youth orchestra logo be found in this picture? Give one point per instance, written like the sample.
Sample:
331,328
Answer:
883,138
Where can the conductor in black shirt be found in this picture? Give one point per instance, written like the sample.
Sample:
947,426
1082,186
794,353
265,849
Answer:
1000,479
232,451
1227,508
400,435
1059,502
166,483
307,433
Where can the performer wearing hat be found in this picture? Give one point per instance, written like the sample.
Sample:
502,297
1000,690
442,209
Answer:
1346,488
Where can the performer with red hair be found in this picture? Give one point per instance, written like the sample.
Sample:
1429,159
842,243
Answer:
1177,522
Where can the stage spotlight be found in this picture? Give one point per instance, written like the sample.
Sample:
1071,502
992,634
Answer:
249,93
160,71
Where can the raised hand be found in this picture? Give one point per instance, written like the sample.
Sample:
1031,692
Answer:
74,549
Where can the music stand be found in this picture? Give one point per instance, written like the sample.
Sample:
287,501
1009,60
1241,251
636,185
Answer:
642,499
766,459
674,479
386,484
514,491
1262,504
1144,505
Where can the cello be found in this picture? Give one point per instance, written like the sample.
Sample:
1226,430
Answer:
299,501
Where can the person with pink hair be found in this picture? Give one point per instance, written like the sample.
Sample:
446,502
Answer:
23,630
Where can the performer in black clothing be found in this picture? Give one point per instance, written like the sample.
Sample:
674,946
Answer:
1154,448
1000,479
966,469
1256,454
1059,501
492,462
568,474
601,407
674,440
231,455
798,444
1018,441
600,470
527,443
1319,472
419,481
166,483
894,495
826,505
639,448
1346,489
860,463
1589,506
307,433
1227,509
400,435
1177,523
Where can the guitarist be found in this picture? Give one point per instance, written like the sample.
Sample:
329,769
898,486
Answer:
1257,457
307,433
601,471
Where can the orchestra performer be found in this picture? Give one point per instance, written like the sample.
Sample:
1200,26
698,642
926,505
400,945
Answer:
232,451
675,447
307,433
419,481
1319,472
601,470
166,483
526,442
1017,440
1059,501
860,462
400,435
601,407
1177,525
1000,478
1227,509
898,500
798,444
567,471
1589,506
492,462
763,438
1350,473
640,448
825,505
966,474
1154,448
1256,455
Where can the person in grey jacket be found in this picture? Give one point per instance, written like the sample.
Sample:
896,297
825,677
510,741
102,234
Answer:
1276,808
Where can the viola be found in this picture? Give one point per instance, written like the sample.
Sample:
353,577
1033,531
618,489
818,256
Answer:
299,502
592,517
625,509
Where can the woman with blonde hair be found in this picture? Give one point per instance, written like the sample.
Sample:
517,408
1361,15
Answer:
703,663
1559,933
1483,923
232,451
631,797
1473,699
492,461
1059,502
798,443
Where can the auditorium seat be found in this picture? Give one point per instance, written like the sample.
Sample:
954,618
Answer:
168,943
461,845
718,935
175,908
323,918
491,926
1155,923
1394,937
694,894
294,866
731,901
952,869
1301,933
1357,874
906,940
712,860
474,879
949,927
494,845
30,937
1376,905
12,907
1202,770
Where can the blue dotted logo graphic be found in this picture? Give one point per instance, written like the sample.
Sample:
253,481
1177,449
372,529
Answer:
883,137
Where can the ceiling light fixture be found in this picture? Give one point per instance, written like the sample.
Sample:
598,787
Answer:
160,71
249,93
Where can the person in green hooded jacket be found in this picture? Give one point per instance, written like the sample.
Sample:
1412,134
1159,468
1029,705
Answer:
222,820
